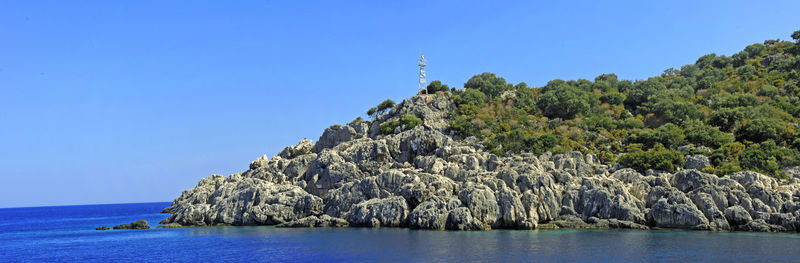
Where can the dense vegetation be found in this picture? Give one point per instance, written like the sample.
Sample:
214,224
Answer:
741,111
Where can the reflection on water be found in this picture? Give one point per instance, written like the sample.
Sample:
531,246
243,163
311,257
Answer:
76,240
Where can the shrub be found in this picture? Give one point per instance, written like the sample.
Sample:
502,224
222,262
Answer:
701,134
357,120
463,126
670,135
372,111
518,140
768,91
730,152
768,158
388,127
734,100
410,121
726,119
760,130
760,158
436,86
657,158
723,169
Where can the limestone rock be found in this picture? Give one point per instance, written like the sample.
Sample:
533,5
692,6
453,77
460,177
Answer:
303,147
461,219
313,221
481,202
140,224
389,212
260,162
337,134
241,201
677,215
432,214
687,180
697,162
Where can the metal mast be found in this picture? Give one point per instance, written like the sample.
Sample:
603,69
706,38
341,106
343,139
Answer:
422,79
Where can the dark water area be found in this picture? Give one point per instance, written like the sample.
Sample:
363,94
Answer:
66,234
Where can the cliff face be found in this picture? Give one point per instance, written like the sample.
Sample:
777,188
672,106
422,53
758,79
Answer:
425,178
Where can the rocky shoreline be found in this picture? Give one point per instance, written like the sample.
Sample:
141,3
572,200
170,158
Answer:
426,178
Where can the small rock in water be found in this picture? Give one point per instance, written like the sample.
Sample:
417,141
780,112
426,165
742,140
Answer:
102,228
141,224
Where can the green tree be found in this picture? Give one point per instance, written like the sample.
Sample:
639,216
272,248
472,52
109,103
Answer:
726,118
436,86
611,98
385,105
760,130
701,134
472,97
673,111
605,82
488,83
670,135
372,111
642,90
796,36
562,101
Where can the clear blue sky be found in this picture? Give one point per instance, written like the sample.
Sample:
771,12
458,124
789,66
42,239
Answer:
110,102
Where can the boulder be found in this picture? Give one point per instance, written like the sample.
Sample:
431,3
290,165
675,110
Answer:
432,213
303,147
688,180
481,202
673,214
262,161
461,219
337,134
697,162
388,212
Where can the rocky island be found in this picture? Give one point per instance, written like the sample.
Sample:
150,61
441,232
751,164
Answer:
436,161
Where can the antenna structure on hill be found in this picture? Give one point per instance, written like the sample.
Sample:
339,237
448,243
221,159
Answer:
422,79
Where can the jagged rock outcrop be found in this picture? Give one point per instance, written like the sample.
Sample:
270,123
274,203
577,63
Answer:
238,200
427,178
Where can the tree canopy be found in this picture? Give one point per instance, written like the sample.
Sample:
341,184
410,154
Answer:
744,109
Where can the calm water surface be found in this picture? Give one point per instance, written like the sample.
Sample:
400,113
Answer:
66,234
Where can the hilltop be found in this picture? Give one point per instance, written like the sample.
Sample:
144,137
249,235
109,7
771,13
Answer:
713,145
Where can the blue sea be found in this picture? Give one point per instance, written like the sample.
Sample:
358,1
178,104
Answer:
67,234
